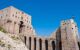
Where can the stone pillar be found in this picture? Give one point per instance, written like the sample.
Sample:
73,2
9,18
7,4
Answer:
27,42
43,44
32,43
50,45
37,43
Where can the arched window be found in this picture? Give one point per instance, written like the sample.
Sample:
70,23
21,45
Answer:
40,44
25,40
29,43
53,45
46,44
34,43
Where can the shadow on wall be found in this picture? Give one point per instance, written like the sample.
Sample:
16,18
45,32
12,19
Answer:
79,45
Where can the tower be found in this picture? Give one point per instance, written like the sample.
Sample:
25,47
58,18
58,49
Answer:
69,33
16,21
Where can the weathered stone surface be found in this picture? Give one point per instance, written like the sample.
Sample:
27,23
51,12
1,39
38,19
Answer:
9,43
16,22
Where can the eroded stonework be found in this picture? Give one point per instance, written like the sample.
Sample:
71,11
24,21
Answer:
16,21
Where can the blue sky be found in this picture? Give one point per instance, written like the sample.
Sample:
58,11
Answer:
46,14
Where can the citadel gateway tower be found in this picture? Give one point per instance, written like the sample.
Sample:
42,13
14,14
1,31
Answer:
17,22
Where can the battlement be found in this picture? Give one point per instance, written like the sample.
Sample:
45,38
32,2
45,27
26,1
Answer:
69,21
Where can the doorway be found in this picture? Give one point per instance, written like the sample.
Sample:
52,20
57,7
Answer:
20,26
53,45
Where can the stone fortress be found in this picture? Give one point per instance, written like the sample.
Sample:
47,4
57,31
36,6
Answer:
15,21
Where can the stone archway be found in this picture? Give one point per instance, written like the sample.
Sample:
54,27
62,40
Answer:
46,44
40,44
53,45
29,43
34,43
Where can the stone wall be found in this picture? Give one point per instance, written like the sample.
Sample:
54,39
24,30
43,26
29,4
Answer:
16,21
39,43
69,35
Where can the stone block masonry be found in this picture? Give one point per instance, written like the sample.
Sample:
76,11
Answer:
15,21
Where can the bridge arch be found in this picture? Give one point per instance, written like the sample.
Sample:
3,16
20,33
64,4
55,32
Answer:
46,44
40,44
53,45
